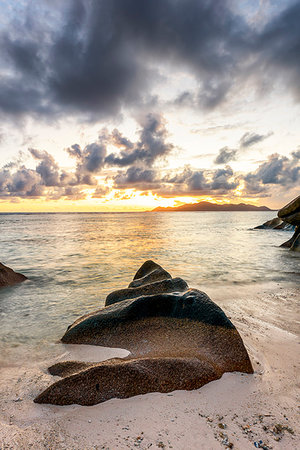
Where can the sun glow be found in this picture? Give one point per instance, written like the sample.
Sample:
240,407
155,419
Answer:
114,201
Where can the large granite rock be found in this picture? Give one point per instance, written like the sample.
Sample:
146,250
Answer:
128,378
291,213
178,340
289,209
158,287
9,277
150,279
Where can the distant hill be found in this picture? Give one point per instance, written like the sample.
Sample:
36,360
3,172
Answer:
206,206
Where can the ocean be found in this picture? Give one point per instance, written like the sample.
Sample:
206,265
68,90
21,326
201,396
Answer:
74,260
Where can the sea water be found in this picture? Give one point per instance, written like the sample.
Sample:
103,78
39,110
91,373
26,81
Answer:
74,260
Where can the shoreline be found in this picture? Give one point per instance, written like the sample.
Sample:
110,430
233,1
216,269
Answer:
237,409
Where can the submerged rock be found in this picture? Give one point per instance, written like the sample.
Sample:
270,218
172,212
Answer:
178,340
9,277
295,247
275,224
288,219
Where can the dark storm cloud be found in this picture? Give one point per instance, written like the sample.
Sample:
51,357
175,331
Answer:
138,178
185,183
90,161
97,56
47,168
277,170
225,155
249,139
199,182
151,145
278,46
222,180
47,179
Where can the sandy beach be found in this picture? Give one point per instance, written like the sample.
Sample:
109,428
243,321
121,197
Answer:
238,411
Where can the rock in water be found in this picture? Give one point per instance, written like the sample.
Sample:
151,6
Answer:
291,214
9,277
275,224
289,209
295,247
178,340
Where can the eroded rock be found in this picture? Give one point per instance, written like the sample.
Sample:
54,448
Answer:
178,340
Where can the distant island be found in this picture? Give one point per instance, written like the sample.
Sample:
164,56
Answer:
207,206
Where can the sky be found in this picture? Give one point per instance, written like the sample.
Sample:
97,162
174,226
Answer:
125,105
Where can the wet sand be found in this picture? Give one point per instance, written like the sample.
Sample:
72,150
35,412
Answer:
233,412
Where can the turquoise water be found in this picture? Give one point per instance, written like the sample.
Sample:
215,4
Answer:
74,260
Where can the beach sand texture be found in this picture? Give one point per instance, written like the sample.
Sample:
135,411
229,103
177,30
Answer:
236,411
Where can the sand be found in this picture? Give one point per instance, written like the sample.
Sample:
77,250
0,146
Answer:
233,412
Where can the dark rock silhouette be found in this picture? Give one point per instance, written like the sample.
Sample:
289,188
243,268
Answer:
290,213
288,219
207,206
9,277
178,340
290,209
275,224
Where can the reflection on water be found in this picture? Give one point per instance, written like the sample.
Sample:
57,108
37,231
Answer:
74,260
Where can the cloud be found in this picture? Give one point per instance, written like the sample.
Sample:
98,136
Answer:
90,161
225,155
21,183
278,48
138,178
47,168
178,183
249,139
97,57
151,145
277,170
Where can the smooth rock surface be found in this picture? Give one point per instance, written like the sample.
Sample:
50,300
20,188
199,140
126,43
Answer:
291,208
158,287
149,272
179,340
274,224
9,277
293,219
94,328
